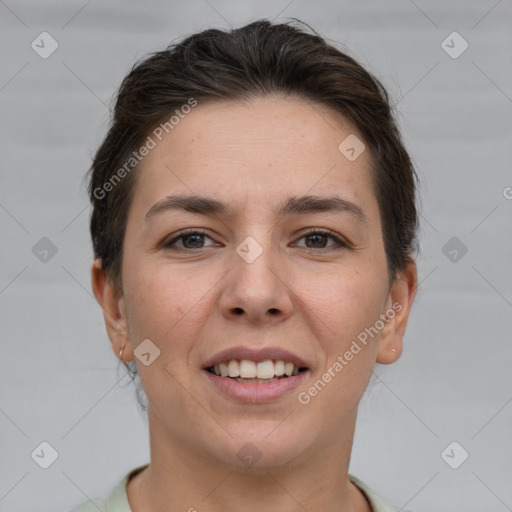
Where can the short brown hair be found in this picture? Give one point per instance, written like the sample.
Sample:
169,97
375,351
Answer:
260,58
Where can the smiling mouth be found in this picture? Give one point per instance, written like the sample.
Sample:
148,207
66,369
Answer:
263,372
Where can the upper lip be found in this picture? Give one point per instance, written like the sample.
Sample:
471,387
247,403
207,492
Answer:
256,355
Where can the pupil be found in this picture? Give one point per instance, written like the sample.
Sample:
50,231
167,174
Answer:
192,236
317,236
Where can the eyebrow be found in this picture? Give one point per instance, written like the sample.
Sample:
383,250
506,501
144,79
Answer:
292,206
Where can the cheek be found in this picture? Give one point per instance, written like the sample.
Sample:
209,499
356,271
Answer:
165,303
345,304
343,318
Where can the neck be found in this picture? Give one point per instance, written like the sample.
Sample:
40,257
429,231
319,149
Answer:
181,477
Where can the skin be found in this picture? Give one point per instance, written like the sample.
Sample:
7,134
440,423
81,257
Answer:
194,303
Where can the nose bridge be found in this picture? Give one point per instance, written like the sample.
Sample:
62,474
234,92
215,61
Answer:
255,286
255,264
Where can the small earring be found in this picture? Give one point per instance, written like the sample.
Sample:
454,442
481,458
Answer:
121,353
394,350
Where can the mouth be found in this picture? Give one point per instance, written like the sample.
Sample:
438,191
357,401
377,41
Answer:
254,376
260,372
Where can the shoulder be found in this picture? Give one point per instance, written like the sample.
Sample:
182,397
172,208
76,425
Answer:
377,503
115,501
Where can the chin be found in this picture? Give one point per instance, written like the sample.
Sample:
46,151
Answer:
261,449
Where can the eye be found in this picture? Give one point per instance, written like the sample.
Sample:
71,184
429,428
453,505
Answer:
194,239
318,237
190,240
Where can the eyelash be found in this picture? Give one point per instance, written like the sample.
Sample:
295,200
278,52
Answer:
318,231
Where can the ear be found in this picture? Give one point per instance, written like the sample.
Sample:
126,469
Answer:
114,311
398,307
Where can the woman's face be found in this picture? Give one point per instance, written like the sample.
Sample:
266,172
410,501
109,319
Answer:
255,280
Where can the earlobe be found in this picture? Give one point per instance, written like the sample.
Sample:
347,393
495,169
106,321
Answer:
111,301
400,300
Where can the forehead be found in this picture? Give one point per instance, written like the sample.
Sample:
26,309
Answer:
255,153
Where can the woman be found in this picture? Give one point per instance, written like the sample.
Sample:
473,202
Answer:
254,224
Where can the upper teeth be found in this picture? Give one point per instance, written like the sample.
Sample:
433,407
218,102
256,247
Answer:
255,370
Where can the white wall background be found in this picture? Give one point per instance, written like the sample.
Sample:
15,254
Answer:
59,378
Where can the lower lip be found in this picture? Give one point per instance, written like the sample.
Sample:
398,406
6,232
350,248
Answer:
256,392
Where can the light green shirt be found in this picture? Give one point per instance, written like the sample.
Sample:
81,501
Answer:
117,500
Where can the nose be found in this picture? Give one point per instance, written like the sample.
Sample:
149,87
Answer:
257,287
